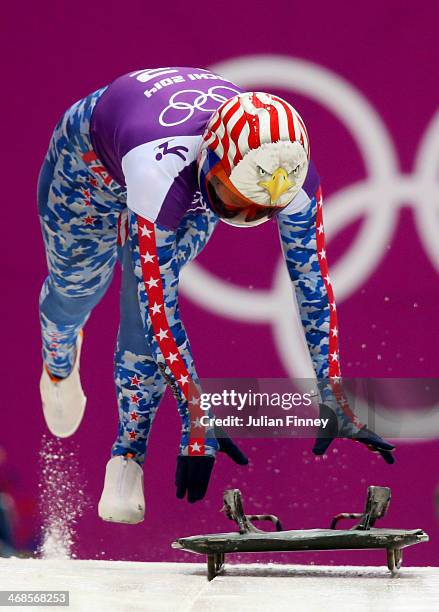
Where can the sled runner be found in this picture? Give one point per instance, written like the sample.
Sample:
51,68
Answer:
251,539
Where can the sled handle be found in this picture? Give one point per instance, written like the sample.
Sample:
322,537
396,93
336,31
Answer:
344,515
234,510
377,503
266,517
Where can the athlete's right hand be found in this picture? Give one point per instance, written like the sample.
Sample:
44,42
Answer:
342,427
193,472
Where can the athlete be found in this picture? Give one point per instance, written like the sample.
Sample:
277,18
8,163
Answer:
141,171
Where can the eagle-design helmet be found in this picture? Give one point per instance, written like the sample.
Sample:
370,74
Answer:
253,158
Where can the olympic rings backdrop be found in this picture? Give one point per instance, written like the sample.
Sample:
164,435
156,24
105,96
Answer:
363,79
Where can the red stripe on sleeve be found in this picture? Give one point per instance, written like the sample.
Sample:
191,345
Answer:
333,357
163,334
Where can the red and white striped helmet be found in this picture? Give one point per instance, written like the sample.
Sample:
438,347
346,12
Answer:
253,159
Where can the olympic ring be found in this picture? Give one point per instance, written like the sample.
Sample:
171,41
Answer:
378,199
197,104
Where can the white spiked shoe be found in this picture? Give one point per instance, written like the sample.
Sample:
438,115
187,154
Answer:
63,399
122,500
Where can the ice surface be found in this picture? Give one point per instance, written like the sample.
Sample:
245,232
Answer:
107,586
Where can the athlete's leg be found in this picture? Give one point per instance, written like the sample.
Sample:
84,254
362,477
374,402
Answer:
81,252
139,383
79,224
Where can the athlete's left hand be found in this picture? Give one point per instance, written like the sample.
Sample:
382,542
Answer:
339,428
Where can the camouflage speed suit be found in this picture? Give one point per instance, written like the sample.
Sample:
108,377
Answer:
90,219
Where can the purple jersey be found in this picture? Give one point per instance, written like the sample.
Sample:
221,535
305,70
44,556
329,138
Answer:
147,128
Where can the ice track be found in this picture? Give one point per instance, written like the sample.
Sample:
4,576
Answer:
113,586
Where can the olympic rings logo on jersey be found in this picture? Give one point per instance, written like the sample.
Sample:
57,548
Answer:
377,199
181,110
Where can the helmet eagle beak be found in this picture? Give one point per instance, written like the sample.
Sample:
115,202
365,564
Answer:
278,184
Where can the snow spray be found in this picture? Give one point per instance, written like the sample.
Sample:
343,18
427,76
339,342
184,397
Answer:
62,500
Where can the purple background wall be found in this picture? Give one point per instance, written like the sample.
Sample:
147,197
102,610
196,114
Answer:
59,52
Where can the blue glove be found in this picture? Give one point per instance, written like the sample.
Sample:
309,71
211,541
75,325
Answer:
339,427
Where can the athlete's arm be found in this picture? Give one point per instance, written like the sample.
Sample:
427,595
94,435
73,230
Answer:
303,242
156,268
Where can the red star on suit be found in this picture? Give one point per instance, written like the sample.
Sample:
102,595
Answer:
89,220
135,381
134,399
132,435
134,416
